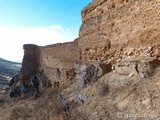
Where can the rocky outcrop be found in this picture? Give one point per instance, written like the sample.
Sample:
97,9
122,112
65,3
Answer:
140,69
32,85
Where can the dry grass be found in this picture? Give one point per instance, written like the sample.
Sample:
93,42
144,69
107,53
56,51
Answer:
45,107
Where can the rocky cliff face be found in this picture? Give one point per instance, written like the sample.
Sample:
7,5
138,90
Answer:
106,73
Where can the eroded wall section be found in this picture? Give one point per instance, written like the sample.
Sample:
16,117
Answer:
58,60
113,30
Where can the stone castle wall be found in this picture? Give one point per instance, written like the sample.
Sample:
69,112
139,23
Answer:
111,31
57,59
54,60
111,28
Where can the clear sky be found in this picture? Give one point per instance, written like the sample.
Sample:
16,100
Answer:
39,22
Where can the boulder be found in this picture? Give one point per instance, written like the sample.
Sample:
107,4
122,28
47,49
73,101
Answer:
141,69
87,73
35,83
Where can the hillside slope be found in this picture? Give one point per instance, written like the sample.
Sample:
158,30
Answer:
7,70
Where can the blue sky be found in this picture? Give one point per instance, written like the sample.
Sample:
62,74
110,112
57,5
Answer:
39,22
